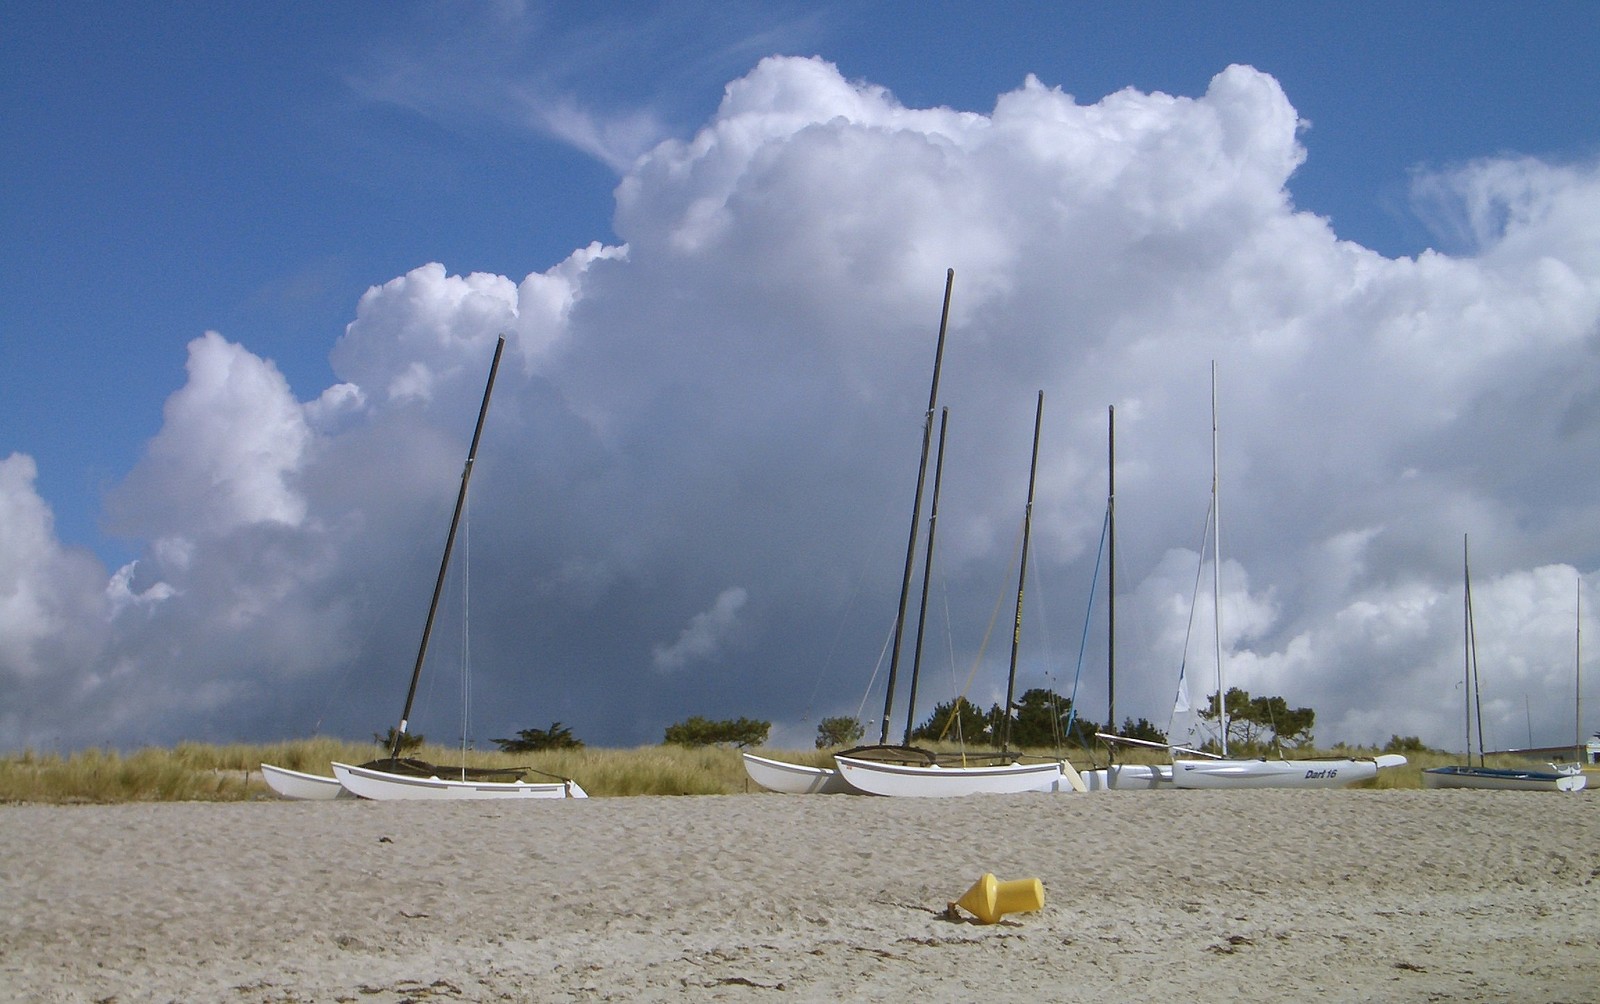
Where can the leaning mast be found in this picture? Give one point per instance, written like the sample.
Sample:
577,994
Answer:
1022,578
449,543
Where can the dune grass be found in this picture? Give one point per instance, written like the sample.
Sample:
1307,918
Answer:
202,772
148,775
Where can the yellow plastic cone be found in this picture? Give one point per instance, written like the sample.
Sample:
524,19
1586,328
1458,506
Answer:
989,899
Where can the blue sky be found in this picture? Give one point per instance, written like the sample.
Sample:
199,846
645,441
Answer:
255,170
202,167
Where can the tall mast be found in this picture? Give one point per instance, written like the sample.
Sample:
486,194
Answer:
927,575
1022,578
1577,675
916,510
1477,674
1466,642
1216,562
1111,572
449,543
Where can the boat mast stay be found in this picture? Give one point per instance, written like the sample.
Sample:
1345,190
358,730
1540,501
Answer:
449,543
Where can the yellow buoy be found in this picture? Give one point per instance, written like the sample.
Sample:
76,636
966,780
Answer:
989,899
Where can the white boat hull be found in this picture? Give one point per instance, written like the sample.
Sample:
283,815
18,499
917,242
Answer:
301,786
794,778
383,786
1331,773
1501,780
908,781
1137,777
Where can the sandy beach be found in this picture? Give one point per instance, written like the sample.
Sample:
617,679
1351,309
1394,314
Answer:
1192,896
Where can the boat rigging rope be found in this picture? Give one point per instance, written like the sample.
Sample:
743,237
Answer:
955,707
833,649
950,650
1072,700
861,708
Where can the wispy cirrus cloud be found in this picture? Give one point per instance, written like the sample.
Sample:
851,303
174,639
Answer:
526,67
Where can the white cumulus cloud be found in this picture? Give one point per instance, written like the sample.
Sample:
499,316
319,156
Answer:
737,394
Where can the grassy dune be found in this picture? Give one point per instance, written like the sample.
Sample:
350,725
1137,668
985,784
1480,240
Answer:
199,772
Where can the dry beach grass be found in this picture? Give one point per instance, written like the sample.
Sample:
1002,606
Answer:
1381,895
200,772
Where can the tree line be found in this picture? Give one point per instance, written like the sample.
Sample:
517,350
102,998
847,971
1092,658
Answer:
1039,719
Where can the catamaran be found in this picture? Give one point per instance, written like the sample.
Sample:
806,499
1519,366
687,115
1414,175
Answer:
1481,776
799,779
1195,767
911,772
397,777
886,769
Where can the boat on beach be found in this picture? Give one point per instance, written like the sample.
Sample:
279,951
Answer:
397,777
885,768
793,778
1195,767
1502,779
796,779
1553,778
426,783
1264,772
909,780
301,786
909,771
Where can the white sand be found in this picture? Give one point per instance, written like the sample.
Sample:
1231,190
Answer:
1150,896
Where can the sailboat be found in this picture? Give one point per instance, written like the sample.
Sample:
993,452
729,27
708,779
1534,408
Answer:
801,779
886,769
911,772
1481,776
1194,768
397,777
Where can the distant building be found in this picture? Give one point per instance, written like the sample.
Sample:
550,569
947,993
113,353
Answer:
1591,751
